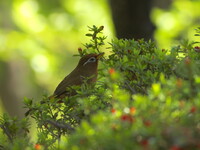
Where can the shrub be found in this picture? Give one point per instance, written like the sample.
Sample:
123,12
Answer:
146,98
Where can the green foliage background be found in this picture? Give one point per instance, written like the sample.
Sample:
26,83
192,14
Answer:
39,40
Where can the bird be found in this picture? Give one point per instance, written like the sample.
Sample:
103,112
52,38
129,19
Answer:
85,72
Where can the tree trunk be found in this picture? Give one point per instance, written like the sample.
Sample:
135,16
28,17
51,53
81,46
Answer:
132,18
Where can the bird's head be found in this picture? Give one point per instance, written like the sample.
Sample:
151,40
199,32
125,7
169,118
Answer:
87,66
89,61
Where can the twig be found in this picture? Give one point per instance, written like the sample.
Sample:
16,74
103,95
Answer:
130,88
7,133
59,125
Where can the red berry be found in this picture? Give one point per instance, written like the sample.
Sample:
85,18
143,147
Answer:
144,142
147,123
132,110
175,148
111,71
193,109
127,118
80,49
113,110
197,49
38,146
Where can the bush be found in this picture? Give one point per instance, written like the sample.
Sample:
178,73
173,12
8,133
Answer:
146,98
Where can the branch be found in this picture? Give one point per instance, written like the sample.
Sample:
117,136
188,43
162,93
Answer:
59,125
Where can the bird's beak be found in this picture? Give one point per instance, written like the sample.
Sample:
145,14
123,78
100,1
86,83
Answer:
99,55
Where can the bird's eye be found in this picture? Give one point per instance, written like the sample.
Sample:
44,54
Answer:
92,59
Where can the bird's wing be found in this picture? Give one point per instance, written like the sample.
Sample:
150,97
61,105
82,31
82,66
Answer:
68,81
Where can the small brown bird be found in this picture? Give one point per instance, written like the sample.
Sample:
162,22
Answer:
85,71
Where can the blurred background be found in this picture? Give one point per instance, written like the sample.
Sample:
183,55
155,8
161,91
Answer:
38,38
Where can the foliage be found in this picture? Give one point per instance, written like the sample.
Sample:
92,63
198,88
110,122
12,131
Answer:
197,32
146,98
37,39
15,132
175,23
